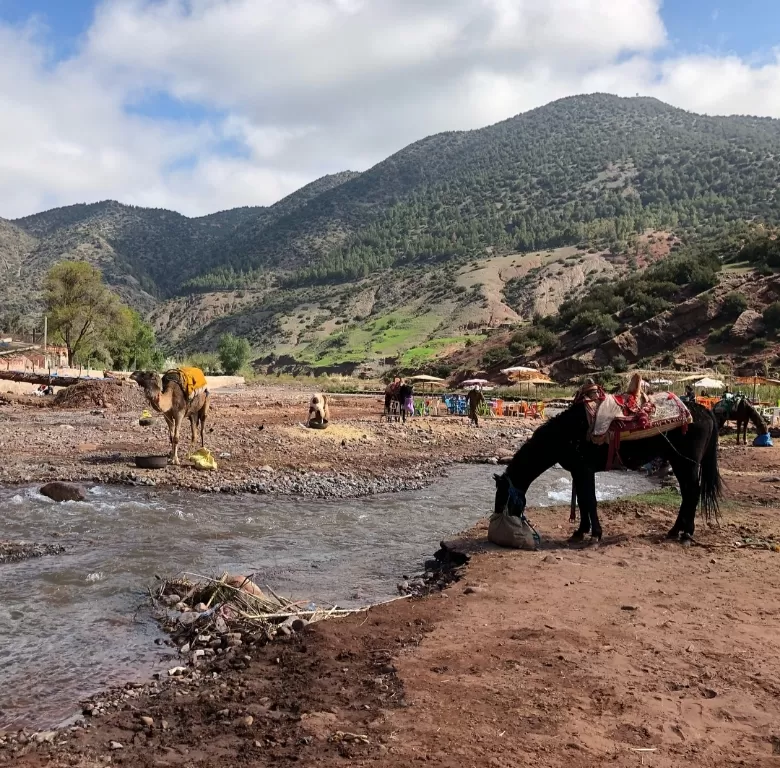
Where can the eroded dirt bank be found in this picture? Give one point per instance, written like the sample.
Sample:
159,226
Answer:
635,652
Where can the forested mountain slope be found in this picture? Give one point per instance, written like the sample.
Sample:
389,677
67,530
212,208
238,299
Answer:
458,216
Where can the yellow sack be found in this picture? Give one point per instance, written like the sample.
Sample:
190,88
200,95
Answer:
203,459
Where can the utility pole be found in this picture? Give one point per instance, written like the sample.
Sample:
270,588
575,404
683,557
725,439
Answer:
45,340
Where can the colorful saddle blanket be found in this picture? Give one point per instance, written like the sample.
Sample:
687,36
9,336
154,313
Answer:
191,380
614,418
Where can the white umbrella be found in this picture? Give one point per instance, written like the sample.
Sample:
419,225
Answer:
474,383
662,381
425,377
707,383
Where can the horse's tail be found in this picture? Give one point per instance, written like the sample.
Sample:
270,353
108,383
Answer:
709,477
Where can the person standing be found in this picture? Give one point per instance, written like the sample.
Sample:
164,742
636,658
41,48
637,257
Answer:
475,398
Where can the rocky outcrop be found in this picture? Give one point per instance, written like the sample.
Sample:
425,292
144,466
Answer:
749,325
59,491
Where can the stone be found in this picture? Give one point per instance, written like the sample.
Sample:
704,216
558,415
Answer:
59,491
45,736
748,325
115,745
148,721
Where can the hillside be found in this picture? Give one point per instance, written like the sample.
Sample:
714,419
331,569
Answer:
480,228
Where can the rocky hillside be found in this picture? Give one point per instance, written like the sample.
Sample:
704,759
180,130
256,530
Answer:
455,234
704,306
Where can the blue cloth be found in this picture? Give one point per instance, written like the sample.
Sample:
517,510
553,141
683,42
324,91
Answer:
763,441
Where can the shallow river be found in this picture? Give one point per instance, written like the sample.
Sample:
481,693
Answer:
67,623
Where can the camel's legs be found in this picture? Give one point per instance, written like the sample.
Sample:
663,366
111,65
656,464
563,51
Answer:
175,437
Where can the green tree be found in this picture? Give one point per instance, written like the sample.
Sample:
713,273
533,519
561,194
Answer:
233,353
132,343
81,309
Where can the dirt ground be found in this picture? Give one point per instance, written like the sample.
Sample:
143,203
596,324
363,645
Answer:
634,652
254,434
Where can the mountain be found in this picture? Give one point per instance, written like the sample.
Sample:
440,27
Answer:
453,235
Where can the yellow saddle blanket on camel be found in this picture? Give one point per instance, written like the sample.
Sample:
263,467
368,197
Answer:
191,380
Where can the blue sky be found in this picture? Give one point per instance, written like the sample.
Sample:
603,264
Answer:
201,105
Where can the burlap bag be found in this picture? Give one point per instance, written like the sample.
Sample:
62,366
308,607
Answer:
511,531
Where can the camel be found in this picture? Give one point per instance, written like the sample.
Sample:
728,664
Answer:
167,396
319,412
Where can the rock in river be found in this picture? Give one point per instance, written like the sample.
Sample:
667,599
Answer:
63,491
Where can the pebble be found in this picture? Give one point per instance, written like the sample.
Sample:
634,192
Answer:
115,745
148,721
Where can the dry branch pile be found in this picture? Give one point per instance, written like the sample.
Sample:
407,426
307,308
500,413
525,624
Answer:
102,393
210,616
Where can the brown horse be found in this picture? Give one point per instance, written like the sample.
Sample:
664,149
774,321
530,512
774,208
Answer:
740,410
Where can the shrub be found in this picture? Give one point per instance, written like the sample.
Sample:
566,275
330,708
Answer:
771,316
593,320
734,304
620,364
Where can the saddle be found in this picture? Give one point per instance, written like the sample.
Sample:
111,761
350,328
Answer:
634,415
191,380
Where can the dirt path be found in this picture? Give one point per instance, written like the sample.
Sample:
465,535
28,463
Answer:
564,657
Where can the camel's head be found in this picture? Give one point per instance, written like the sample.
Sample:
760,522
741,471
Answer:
146,379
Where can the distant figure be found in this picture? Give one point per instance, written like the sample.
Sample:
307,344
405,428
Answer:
690,395
406,399
475,398
391,393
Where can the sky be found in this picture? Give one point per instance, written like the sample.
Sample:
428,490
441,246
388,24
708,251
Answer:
203,105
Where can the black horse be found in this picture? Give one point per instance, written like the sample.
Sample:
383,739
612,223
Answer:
743,412
693,456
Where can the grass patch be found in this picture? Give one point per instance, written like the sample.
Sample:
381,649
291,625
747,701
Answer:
662,497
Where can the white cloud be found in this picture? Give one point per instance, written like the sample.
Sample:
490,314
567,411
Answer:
308,87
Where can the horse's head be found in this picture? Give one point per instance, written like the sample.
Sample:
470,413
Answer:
507,497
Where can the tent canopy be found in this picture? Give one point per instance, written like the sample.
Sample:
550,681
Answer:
662,381
707,383
425,377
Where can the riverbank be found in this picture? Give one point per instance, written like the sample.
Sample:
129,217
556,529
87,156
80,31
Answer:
260,444
638,650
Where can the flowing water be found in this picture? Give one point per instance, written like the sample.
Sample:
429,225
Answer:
69,624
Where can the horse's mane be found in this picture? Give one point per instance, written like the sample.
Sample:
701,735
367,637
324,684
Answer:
554,427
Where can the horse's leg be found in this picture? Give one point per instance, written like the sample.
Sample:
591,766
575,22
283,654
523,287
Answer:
202,419
687,473
585,486
193,419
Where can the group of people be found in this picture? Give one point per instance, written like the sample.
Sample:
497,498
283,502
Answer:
402,392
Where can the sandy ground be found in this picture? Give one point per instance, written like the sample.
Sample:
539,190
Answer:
259,441
634,652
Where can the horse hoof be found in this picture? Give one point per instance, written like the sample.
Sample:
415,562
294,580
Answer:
673,534
596,537
577,536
